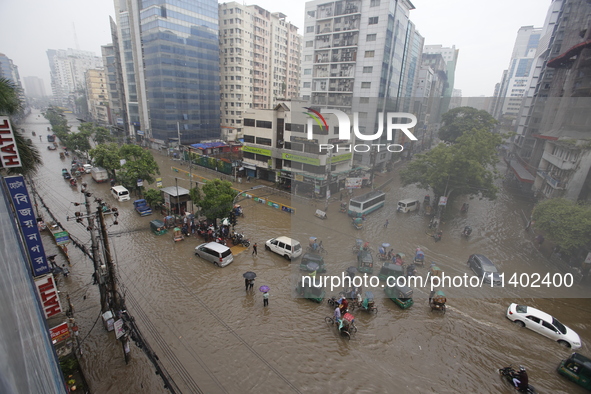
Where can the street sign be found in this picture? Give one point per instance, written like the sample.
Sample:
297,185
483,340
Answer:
443,200
62,237
140,183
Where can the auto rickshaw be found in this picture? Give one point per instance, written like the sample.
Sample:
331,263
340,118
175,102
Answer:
577,368
73,182
437,301
177,235
158,227
311,262
365,262
310,291
390,270
357,223
367,303
435,270
343,208
419,257
66,174
401,295
62,156
320,214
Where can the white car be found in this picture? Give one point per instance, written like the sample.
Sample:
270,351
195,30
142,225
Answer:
544,324
285,246
87,168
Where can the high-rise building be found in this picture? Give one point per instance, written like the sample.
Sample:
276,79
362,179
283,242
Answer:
360,56
517,78
34,87
450,55
9,70
259,62
97,96
169,54
68,70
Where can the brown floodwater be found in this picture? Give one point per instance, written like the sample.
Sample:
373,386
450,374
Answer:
213,337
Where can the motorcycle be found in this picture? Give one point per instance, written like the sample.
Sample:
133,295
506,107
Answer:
220,240
465,207
411,270
437,236
509,372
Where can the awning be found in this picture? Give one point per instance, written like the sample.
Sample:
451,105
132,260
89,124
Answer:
209,145
520,172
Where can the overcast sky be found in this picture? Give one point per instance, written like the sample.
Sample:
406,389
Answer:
484,31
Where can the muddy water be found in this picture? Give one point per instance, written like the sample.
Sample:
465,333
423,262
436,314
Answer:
214,337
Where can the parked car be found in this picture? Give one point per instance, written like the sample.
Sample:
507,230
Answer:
285,246
544,324
87,168
484,268
216,253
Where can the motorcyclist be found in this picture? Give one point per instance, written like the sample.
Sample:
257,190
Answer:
411,270
467,230
520,379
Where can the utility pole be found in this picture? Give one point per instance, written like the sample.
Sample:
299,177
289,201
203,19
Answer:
328,178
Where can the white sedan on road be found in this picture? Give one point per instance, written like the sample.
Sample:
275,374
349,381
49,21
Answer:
544,324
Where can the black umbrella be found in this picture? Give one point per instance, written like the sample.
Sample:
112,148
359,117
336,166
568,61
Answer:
352,270
249,275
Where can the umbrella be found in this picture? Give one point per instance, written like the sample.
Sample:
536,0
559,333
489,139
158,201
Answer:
352,270
264,289
312,266
249,275
385,245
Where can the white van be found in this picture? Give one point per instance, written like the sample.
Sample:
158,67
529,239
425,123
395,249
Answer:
120,193
408,205
216,253
285,246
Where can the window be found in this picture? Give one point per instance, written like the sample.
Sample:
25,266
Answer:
373,20
249,122
371,37
365,85
374,3
363,100
264,141
308,58
310,29
367,70
307,84
249,138
309,44
534,319
370,53
264,124
307,71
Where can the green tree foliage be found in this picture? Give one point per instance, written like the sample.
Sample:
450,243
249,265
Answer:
466,167
107,156
78,142
153,197
139,164
196,195
462,119
10,105
103,135
217,200
566,223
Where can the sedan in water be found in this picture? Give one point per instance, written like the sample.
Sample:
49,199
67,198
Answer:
544,324
485,269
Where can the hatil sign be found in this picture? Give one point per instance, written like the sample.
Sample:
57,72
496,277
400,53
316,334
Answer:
392,123
48,295
8,152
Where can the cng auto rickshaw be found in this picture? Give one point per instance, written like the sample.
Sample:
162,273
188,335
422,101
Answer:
401,295
177,235
577,368
437,301
358,223
366,303
308,258
365,262
310,291
158,227
390,270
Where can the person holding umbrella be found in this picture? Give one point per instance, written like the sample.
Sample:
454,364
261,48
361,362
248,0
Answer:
249,280
265,291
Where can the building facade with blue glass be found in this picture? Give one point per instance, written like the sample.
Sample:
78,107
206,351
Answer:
170,67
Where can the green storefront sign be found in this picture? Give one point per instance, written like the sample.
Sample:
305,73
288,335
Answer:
339,158
301,159
258,151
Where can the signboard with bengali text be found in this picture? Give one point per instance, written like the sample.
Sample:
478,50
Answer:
59,333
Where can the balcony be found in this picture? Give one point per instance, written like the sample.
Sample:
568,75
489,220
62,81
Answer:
558,162
555,183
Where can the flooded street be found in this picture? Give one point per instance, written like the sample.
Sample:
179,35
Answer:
213,337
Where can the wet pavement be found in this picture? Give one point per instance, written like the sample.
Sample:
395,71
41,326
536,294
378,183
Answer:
214,337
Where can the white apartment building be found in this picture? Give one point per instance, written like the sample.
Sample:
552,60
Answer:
355,60
260,55
68,72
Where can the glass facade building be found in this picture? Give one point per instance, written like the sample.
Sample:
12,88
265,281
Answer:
171,67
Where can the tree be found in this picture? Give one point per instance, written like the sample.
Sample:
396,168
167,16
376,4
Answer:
78,142
139,164
10,105
462,119
467,167
103,135
218,199
566,223
107,156
153,197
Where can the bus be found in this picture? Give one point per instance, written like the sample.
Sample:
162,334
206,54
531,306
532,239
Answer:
367,203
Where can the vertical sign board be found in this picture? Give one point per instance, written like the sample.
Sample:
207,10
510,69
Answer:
48,295
8,152
26,217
